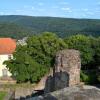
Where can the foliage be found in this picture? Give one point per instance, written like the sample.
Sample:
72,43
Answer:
44,47
89,77
83,77
24,68
89,48
14,30
96,47
83,44
20,26
32,61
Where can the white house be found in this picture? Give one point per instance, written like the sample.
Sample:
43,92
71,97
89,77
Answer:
7,48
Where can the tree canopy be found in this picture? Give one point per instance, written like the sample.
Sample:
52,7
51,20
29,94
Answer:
21,26
83,44
32,61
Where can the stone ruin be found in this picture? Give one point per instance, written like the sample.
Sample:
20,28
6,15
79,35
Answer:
66,77
69,61
66,72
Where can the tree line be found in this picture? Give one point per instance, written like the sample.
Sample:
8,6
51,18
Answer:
17,26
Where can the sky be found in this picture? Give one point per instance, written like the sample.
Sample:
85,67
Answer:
55,8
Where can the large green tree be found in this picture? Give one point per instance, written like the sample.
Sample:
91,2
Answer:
44,47
24,68
32,61
83,44
89,48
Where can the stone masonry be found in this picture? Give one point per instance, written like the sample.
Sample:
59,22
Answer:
69,61
66,71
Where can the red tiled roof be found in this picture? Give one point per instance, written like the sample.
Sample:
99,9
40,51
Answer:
7,45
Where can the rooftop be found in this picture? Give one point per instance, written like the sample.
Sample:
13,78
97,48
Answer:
7,45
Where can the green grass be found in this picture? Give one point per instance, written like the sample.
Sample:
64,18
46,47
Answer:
2,95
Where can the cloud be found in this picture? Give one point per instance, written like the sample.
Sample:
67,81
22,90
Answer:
40,4
98,3
41,9
55,7
66,9
18,10
26,6
2,13
84,15
90,13
85,9
64,3
32,8
97,11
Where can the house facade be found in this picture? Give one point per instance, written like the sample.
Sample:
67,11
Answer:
7,48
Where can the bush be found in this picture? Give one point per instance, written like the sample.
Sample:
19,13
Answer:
89,77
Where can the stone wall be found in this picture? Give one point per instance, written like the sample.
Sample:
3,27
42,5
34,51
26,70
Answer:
69,61
66,71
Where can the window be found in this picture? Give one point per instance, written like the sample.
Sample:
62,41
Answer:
4,72
9,57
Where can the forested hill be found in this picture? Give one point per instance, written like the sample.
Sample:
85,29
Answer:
17,26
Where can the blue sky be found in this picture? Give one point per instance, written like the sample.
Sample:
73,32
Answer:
55,8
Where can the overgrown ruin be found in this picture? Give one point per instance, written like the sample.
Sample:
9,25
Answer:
64,83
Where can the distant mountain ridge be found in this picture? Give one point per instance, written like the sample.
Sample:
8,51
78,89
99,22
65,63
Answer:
18,26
